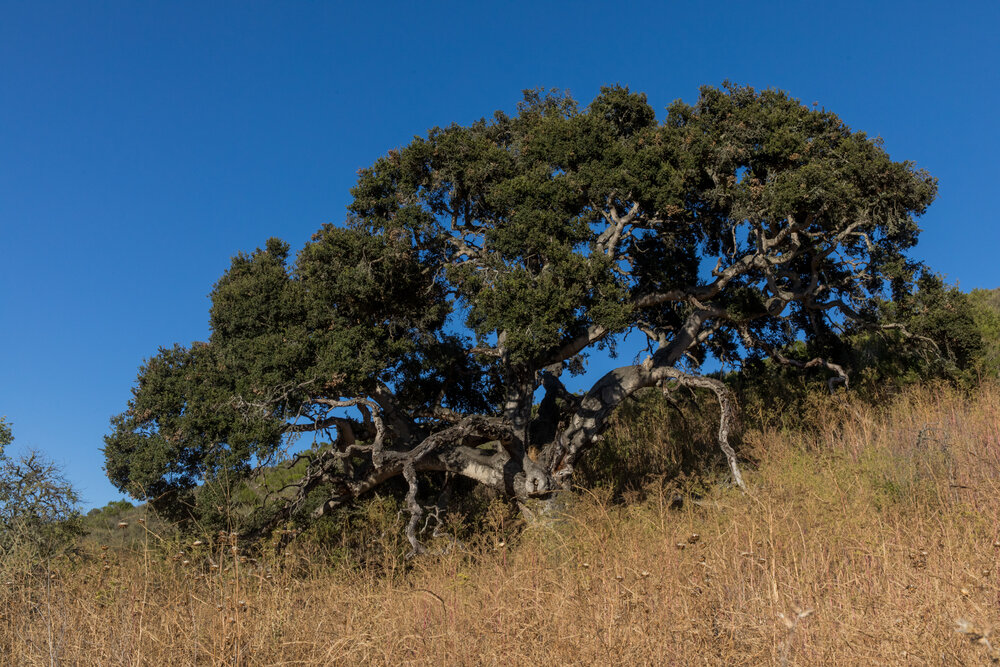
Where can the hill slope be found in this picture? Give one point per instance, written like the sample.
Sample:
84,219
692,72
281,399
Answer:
864,539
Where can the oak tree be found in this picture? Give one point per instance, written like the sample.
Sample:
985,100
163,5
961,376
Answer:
429,335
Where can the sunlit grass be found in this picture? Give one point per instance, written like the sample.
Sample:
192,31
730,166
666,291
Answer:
867,534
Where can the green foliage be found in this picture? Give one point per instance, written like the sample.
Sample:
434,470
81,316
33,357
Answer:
986,313
357,310
947,317
988,298
947,335
113,509
519,186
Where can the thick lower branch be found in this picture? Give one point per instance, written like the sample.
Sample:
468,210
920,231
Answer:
452,450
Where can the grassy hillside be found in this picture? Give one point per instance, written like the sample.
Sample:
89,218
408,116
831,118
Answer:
868,534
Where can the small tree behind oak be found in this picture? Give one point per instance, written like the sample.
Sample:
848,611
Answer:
38,506
480,263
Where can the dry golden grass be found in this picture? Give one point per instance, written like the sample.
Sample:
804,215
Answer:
862,542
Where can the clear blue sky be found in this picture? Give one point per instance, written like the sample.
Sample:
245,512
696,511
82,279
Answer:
142,144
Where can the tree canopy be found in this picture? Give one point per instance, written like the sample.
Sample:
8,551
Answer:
479,263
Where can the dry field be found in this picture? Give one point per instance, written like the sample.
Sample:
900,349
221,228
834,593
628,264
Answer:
863,541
